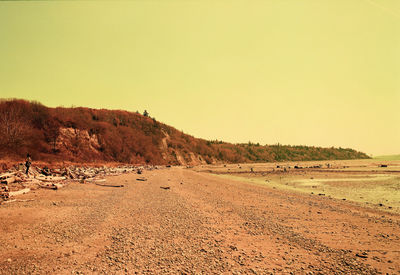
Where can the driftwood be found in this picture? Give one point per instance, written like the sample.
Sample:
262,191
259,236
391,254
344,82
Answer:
57,178
96,180
109,185
165,187
8,180
14,200
48,186
53,186
58,185
69,174
4,195
30,180
51,179
6,175
9,201
20,192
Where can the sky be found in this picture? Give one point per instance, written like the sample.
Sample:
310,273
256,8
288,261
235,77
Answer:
311,72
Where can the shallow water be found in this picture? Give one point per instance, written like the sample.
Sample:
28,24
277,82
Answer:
316,181
382,191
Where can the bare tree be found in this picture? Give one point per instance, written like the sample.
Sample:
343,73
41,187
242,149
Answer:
13,127
51,133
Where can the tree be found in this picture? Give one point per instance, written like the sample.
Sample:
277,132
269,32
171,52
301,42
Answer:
51,132
145,113
14,128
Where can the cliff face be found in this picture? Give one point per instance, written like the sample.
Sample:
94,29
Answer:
89,135
171,155
77,143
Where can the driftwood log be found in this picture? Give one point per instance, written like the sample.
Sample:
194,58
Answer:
108,185
6,175
51,179
20,192
53,186
8,180
15,200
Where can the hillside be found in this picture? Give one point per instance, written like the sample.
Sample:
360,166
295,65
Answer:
98,135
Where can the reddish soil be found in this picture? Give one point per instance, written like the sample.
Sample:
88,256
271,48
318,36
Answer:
202,224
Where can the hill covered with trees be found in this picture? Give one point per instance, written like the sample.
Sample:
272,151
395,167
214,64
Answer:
98,135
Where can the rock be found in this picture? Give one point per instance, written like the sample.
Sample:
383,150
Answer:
363,255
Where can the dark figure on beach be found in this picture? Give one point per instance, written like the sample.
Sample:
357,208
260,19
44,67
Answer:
28,163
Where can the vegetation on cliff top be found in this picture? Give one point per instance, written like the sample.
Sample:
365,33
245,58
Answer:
128,137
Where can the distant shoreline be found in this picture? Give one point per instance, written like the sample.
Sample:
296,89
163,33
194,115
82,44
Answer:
388,157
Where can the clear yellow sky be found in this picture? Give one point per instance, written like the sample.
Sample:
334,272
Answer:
313,72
